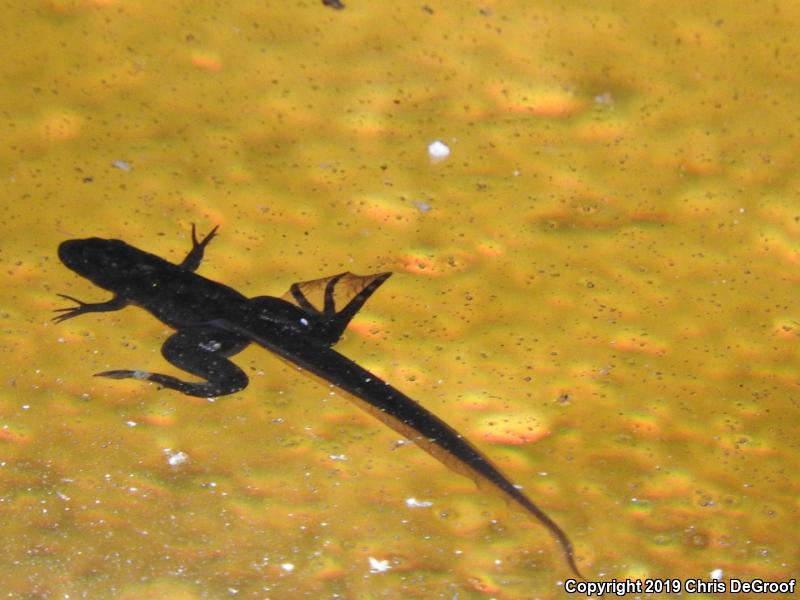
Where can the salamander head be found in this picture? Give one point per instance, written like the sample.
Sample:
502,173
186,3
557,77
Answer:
107,263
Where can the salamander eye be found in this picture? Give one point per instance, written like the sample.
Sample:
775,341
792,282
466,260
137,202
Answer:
304,322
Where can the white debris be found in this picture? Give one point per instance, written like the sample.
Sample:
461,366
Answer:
438,151
414,503
378,566
421,206
176,458
122,165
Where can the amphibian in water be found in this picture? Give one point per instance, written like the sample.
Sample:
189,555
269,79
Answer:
213,322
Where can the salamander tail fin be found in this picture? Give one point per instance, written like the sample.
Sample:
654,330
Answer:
333,301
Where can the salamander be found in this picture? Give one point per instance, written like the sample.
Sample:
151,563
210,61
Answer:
213,322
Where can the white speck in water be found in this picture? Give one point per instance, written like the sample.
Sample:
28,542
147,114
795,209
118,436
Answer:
304,322
131,423
414,503
421,206
338,456
604,99
378,566
288,567
176,458
438,151
122,165
716,574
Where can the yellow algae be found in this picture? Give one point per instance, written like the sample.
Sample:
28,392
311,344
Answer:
158,417
485,584
60,126
161,590
608,128
538,100
516,428
387,211
608,254
638,343
372,329
490,248
15,435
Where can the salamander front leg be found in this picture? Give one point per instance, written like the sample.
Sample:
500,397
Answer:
202,352
116,303
195,256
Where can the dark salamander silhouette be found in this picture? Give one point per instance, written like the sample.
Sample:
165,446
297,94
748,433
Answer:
213,322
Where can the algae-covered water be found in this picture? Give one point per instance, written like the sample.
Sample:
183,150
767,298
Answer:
598,286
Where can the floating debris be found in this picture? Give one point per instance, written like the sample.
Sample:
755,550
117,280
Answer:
438,151
421,206
122,165
378,566
414,503
175,458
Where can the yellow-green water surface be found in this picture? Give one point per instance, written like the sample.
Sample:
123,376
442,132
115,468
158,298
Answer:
599,287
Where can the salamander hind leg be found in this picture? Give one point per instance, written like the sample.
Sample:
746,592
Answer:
203,352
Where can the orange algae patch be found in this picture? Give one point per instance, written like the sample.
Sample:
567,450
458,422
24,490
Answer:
330,570
481,401
420,265
542,101
604,130
668,485
786,329
371,330
512,429
163,590
159,419
385,211
736,442
484,584
641,344
643,425
208,61
7,434
60,126
490,248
